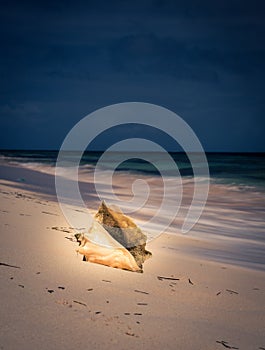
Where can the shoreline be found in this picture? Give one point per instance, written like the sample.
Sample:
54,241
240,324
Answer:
52,299
215,236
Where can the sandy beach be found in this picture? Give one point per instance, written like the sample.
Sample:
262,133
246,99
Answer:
51,299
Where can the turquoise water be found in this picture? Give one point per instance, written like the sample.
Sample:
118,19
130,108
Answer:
245,169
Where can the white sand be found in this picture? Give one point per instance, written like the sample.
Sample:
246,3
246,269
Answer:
99,307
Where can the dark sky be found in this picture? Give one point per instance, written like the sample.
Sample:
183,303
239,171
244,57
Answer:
204,60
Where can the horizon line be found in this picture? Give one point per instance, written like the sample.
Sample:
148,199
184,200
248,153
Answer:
102,150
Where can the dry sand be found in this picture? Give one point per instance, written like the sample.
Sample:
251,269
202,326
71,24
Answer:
51,299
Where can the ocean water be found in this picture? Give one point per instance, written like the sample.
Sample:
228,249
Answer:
232,225
246,169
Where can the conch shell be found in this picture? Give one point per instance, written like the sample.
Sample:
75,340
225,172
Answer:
104,249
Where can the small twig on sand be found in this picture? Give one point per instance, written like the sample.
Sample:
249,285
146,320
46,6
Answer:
161,278
140,291
46,212
190,282
231,291
225,344
79,302
130,333
70,239
15,267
